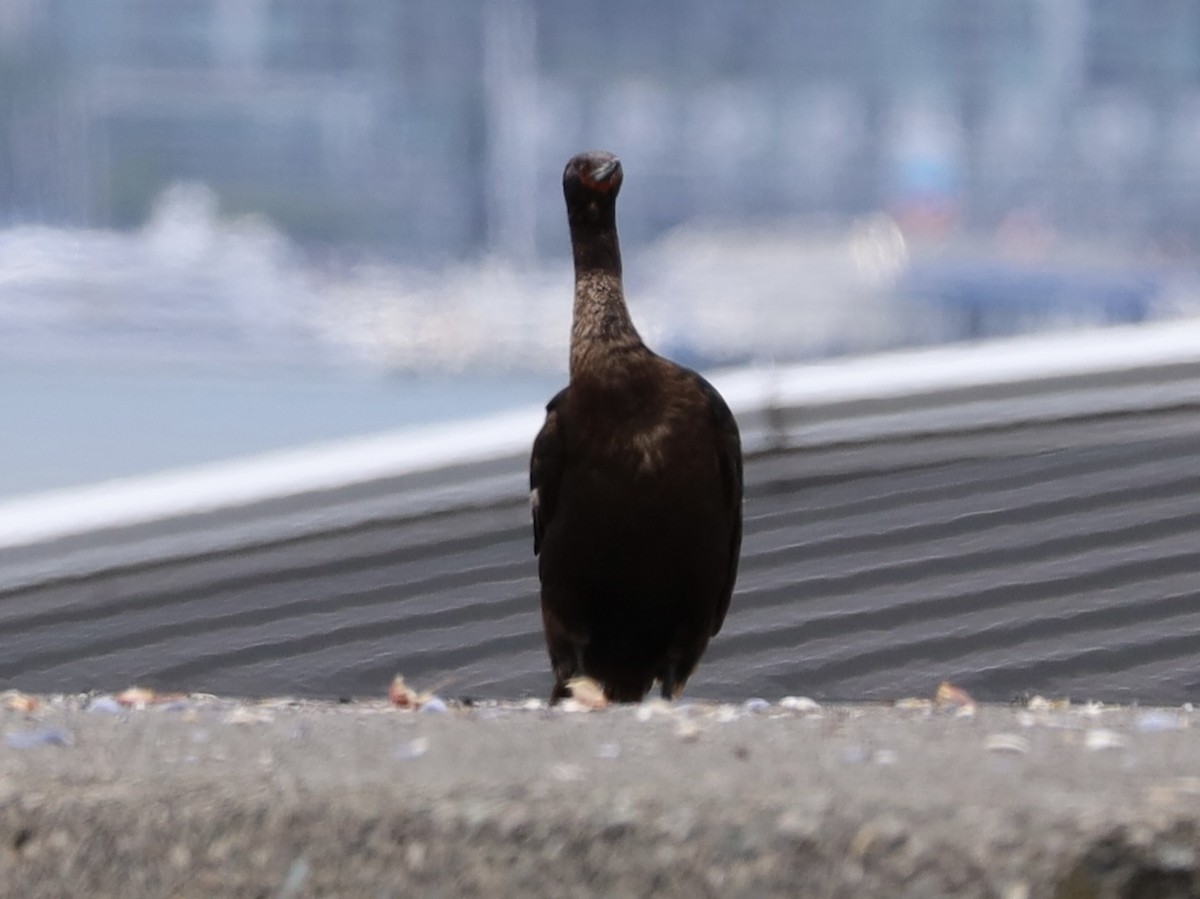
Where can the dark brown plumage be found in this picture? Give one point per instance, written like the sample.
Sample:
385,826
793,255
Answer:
636,483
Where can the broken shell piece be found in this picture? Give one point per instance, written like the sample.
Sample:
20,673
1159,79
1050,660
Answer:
586,694
688,730
1042,704
434,705
136,697
107,704
280,702
1007,743
1102,738
799,704
16,701
955,699
401,694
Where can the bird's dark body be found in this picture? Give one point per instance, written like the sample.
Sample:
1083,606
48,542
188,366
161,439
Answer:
637,480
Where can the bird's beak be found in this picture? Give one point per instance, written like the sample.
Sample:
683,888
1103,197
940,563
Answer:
602,173
603,177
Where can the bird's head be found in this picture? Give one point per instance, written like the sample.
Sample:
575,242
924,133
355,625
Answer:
591,182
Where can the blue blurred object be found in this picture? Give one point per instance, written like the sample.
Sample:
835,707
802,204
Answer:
35,739
976,299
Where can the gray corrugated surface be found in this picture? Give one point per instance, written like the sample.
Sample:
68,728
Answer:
1048,553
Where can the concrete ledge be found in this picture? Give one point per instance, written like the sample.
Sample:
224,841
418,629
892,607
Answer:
201,796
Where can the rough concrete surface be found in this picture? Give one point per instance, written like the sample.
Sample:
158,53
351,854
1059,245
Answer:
199,796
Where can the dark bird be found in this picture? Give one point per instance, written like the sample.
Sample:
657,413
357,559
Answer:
636,483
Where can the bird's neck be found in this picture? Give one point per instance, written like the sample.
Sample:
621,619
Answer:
601,324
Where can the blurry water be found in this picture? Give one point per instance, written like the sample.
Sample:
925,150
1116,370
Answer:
201,337
194,288
66,424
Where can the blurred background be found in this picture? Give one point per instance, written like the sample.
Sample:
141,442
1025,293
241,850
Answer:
321,245
228,226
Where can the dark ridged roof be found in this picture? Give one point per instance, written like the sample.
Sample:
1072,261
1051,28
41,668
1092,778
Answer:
1051,552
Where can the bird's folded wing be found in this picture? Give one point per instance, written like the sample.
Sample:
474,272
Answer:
545,472
729,456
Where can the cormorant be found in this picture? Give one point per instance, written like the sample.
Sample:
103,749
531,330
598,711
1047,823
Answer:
636,481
